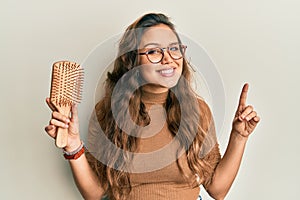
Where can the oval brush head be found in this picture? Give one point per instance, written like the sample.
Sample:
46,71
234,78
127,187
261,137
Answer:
66,89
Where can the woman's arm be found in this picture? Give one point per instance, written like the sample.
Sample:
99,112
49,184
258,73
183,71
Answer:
85,178
243,125
227,168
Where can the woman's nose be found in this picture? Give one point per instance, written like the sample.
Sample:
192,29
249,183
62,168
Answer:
167,58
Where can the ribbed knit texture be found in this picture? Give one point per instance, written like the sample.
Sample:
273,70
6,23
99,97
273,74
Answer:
162,175
167,182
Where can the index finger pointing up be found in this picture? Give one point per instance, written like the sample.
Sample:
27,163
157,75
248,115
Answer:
243,96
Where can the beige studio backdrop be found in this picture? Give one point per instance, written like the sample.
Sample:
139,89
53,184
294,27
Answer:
249,41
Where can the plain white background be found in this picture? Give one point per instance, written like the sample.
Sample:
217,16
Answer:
249,41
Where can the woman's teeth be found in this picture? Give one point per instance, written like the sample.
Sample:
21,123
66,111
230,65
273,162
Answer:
167,71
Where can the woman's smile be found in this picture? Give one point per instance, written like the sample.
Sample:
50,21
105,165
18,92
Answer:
167,72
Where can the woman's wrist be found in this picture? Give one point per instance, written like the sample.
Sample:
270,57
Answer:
72,146
76,153
238,137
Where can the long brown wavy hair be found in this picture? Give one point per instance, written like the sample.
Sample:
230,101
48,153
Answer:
190,126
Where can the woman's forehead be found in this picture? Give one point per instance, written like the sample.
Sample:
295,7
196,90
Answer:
160,34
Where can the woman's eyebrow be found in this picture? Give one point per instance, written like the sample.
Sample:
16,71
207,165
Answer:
157,44
151,43
173,43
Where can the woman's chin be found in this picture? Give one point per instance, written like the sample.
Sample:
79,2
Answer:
169,83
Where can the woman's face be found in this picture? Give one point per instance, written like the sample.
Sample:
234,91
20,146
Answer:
165,74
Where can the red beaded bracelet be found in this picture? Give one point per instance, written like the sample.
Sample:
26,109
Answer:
75,154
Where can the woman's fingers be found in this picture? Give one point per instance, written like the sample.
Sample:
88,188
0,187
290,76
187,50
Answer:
51,130
57,120
70,123
60,117
256,118
51,106
251,116
58,123
245,113
243,97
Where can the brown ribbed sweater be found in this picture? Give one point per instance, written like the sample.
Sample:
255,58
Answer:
159,174
168,181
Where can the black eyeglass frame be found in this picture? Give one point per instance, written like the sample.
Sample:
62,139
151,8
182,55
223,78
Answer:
162,51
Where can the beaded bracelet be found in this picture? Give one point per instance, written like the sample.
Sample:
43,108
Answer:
74,154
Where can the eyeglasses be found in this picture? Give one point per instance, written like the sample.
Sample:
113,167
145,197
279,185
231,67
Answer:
155,55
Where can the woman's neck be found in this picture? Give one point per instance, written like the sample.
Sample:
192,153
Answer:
154,88
156,97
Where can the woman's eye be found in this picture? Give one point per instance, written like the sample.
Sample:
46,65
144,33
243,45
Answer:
153,51
175,48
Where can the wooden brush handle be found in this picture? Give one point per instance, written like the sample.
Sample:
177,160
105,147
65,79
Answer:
61,138
62,133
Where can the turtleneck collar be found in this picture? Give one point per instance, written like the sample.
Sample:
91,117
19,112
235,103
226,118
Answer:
154,98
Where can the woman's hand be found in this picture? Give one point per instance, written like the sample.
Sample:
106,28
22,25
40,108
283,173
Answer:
246,118
71,123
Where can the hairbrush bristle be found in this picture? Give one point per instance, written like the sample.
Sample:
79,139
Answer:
67,82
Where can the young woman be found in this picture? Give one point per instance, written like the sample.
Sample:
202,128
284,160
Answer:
149,71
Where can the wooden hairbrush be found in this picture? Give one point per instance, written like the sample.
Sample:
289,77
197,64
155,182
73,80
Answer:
66,89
